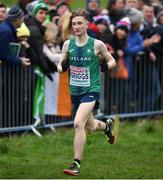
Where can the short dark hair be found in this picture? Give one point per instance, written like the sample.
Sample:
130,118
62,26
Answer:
80,12
2,5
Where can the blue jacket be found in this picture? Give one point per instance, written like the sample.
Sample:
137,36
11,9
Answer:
7,35
135,45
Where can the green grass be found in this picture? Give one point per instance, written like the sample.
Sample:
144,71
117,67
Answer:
8,2
75,3
137,154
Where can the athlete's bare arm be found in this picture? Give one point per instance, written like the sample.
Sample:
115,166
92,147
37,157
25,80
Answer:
63,56
100,49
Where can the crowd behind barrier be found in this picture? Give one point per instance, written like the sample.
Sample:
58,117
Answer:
35,94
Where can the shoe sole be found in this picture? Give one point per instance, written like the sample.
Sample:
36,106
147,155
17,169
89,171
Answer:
113,138
69,172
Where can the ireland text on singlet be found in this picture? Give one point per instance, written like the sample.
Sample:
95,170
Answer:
84,68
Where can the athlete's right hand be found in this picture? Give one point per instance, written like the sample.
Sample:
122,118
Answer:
25,61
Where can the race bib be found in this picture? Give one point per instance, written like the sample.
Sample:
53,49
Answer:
79,76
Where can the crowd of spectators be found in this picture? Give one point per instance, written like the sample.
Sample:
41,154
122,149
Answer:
131,30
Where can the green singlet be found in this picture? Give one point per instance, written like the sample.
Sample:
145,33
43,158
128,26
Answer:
84,73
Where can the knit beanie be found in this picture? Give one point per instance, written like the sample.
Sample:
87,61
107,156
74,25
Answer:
101,19
135,15
30,7
22,31
15,13
125,22
160,13
38,6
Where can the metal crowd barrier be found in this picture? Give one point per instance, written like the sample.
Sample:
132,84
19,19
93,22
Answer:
138,96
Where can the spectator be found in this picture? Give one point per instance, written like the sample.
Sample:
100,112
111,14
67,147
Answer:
116,12
23,3
53,52
157,2
10,76
30,6
24,78
119,76
8,36
36,41
3,11
43,65
103,32
62,8
140,4
131,4
51,4
149,25
136,44
149,16
23,35
65,29
54,17
160,16
93,7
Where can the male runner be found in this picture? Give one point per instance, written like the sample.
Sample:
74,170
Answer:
81,54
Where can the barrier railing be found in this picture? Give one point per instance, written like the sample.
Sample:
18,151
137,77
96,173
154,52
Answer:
141,92
138,96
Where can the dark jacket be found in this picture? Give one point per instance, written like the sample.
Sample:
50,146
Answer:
158,47
7,36
114,18
36,41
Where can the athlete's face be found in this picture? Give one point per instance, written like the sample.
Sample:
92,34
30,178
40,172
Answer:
79,25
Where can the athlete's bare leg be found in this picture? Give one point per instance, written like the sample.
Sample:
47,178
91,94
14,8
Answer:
84,116
93,124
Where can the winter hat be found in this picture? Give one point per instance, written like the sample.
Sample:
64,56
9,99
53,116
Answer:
62,4
22,31
38,6
30,7
135,15
124,22
160,13
101,19
15,13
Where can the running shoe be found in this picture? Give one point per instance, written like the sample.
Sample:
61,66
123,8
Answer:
73,170
112,126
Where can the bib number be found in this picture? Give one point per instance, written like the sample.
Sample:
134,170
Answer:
80,76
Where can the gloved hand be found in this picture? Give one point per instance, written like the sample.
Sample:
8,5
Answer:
65,65
104,66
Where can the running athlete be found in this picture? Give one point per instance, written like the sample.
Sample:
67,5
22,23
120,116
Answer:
81,54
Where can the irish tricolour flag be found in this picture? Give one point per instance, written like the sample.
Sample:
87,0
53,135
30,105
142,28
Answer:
52,97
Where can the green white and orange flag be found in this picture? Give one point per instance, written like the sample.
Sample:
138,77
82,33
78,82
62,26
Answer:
52,97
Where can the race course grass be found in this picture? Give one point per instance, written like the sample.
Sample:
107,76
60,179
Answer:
137,154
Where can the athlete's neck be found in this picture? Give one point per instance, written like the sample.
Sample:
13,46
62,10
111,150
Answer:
81,40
